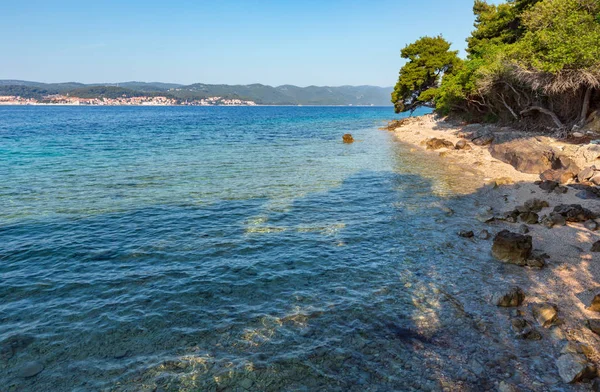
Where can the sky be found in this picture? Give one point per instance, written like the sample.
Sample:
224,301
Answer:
308,42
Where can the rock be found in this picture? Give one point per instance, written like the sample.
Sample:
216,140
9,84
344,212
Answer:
537,261
501,181
436,144
561,190
347,138
485,214
594,325
13,344
553,219
524,330
591,225
574,212
523,229
588,192
574,367
595,247
564,162
586,173
509,216
466,234
512,247
463,145
595,305
536,205
525,155
562,176
530,218
506,387
484,140
545,313
548,186
30,369
595,179
246,383
512,297
484,235
578,134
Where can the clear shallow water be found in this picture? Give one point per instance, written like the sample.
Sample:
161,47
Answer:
233,249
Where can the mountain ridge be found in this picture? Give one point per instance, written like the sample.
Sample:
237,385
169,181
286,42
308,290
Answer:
285,94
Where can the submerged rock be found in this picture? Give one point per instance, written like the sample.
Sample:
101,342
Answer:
545,313
347,138
574,367
484,235
30,369
512,247
485,214
523,229
512,297
466,234
595,247
13,344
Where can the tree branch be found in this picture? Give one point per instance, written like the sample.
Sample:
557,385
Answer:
585,107
545,111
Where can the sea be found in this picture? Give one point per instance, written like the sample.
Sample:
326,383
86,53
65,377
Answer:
233,249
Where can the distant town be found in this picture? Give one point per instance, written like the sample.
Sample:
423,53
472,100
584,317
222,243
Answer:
57,99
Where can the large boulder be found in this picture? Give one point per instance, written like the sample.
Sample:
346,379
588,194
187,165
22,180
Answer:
525,155
574,212
436,144
512,247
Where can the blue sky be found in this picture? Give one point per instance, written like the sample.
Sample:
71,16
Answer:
309,42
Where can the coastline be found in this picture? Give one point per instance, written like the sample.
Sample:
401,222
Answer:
571,276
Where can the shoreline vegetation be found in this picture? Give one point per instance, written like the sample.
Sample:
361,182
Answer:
542,231
531,64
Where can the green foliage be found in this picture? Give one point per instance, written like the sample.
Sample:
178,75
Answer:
428,59
524,56
560,35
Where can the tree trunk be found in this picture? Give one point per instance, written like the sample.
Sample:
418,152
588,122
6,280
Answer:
550,113
585,107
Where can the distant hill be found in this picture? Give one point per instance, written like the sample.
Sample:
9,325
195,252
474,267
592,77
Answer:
259,93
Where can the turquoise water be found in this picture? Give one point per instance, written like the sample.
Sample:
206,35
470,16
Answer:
176,248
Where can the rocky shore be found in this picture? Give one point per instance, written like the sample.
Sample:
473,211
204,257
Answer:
540,200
